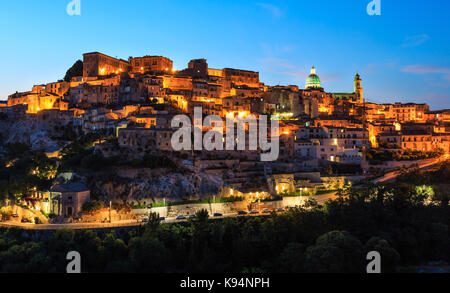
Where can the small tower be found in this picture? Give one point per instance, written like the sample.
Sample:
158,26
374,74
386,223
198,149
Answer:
358,89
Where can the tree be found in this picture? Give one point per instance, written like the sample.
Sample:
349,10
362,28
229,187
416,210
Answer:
328,170
423,194
335,252
75,70
91,206
291,258
389,256
153,222
202,216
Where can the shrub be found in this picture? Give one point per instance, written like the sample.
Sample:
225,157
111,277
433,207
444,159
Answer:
91,206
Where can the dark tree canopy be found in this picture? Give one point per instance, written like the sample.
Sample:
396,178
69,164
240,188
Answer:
392,219
75,70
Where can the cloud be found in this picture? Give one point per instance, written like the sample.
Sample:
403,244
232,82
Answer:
330,77
297,74
416,40
284,67
434,97
426,69
272,9
277,64
430,69
277,49
376,67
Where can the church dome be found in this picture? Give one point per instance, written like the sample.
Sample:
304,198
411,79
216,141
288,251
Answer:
313,80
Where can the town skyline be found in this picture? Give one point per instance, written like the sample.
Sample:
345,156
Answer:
410,66
301,84
259,139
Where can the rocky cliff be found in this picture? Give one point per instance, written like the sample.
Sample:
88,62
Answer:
150,186
27,131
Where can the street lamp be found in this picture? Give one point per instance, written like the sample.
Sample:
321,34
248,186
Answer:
259,202
110,206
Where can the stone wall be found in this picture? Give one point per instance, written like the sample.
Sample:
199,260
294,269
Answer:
191,209
223,208
401,164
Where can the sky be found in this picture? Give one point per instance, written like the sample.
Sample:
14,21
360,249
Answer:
402,55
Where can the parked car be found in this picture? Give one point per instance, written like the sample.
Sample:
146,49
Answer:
242,213
266,211
281,210
218,215
180,217
191,216
25,220
254,212
145,220
162,219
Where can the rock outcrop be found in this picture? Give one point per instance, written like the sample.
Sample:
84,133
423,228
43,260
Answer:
171,186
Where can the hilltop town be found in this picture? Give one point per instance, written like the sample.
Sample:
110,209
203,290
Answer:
103,136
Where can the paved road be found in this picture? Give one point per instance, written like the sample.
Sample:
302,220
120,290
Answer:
391,176
128,223
74,226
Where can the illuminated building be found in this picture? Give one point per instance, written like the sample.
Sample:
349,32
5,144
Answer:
313,80
97,64
151,63
357,96
284,99
235,105
146,139
37,101
176,83
70,198
241,77
335,144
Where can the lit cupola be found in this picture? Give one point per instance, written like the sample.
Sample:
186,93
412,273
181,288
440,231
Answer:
313,80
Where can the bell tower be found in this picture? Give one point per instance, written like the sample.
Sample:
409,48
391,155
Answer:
358,89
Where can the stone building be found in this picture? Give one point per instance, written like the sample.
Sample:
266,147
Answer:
37,101
97,64
151,64
70,198
356,96
241,77
146,139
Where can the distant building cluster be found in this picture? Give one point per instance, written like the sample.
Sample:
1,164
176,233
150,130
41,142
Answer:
136,100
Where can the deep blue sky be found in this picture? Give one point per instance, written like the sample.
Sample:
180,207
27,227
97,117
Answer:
402,55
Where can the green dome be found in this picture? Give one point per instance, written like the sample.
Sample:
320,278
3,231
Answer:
313,80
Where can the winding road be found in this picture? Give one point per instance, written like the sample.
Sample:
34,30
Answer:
389,177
